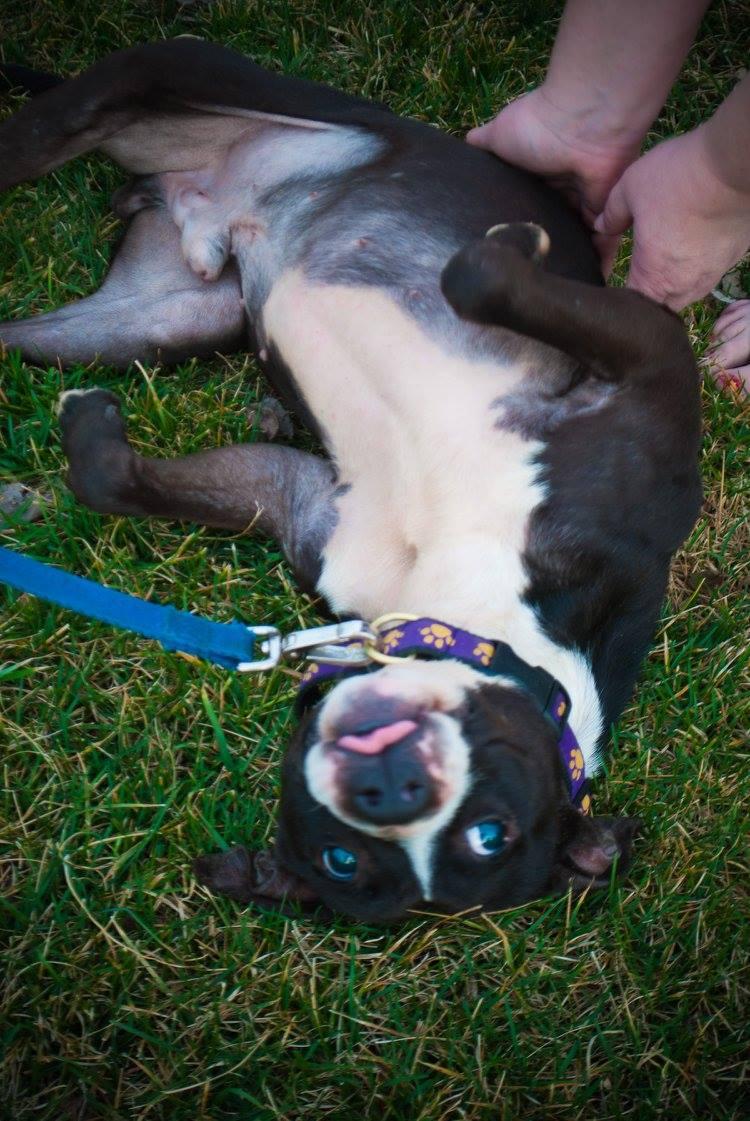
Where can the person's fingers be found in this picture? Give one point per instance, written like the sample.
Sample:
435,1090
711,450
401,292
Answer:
481,136
617,215
606,247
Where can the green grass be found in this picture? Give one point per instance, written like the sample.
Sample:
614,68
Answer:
128,991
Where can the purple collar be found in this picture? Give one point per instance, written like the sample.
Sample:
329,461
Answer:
428,638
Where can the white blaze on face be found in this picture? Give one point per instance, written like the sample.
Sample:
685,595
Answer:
420,850
436,690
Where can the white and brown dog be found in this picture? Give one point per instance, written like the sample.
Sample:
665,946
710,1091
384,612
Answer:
511,456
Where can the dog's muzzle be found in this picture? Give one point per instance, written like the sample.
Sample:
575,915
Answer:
383,774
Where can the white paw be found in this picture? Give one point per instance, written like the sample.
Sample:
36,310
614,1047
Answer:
538,237
70,393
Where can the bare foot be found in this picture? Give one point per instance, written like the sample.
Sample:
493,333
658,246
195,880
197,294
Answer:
729,354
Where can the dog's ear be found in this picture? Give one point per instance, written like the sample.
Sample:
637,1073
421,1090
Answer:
588,848
252,877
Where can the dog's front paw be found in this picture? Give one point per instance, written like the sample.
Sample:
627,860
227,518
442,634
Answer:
527,237
95,442
95,409
481,278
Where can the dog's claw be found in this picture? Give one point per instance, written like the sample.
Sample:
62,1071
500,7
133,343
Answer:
271,418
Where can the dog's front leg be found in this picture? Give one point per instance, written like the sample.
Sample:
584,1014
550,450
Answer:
284,492
622,438
615,334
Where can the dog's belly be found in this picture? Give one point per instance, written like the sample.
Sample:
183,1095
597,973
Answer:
435,496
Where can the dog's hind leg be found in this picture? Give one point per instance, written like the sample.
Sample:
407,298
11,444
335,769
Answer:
633,359
175,105
183,111
151,306
284,492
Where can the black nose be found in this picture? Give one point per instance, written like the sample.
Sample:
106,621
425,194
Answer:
390,788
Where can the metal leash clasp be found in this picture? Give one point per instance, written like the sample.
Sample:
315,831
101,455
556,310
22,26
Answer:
319,644
268,641
325,644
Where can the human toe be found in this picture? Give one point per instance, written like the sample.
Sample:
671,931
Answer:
734,315
736,380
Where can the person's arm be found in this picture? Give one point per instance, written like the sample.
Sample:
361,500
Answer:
726,138
611,67
688,200
614,62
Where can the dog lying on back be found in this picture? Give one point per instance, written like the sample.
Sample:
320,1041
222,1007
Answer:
511,458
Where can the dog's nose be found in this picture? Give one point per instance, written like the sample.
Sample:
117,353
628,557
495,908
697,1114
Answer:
386,780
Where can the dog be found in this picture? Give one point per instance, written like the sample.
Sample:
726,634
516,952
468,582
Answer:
511,459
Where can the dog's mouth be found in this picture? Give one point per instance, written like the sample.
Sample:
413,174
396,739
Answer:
387,773
389,756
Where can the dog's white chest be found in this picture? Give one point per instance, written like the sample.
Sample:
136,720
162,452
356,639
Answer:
433,481
439,496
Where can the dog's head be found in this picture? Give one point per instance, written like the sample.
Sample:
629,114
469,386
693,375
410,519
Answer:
423,784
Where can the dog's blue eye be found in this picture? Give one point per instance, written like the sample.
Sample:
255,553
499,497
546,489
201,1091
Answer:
487,838
339,863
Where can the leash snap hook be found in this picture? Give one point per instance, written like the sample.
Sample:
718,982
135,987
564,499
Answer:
344,644
381,626
269,641
336,644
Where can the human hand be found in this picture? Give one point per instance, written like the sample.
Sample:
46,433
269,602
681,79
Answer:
689,226
574,153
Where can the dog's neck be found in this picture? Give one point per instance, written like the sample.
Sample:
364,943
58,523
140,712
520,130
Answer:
477,584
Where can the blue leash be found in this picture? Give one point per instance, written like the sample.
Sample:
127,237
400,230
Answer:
227,644
232,645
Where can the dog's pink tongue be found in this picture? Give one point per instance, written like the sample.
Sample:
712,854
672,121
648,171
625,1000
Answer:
379,738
